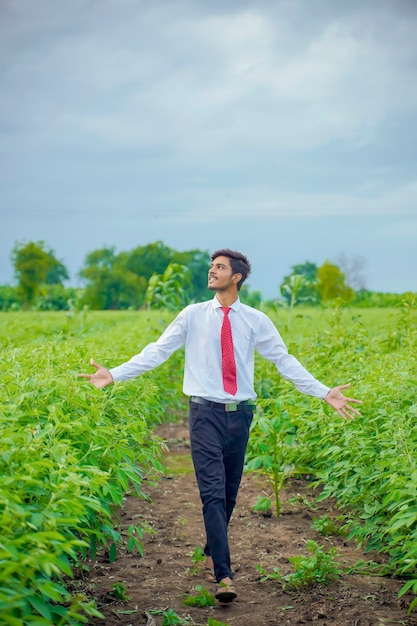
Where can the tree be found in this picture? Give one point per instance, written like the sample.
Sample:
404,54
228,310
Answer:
35,266
56,274
331,283
307,269
110,286
300,285
115,290
10,300
103,258
147,260
154,258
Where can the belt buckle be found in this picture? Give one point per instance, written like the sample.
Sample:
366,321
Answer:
232,406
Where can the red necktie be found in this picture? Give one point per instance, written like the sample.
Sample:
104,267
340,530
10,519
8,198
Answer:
228,357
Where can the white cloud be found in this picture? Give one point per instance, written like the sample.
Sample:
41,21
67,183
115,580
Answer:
208,87
238,110
232,84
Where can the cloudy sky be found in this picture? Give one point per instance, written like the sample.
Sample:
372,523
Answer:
286,129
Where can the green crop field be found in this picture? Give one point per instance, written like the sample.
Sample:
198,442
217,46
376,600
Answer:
69,453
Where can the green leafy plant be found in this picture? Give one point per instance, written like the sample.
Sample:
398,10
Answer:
70,453
370,568
318,568
302,499
168,290
170,617
197,557
276,574
272,436
201,599
118,590
368,465
263,504
410,585
326,526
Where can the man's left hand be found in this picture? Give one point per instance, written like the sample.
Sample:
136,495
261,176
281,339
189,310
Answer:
339,402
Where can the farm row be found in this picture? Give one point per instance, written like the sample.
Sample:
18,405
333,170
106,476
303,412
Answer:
70,453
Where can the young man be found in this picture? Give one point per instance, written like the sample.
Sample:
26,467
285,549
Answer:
221,337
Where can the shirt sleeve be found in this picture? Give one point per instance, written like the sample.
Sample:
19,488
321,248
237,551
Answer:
271,346
156,352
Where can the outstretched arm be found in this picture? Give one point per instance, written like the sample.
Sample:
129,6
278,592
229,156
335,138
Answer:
100,378
339,402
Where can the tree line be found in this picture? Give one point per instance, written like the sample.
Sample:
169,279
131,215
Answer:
157,276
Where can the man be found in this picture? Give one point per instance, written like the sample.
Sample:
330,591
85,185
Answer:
220,338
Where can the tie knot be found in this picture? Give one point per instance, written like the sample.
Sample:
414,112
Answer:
226,310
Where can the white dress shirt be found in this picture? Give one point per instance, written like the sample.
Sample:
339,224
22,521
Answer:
198,328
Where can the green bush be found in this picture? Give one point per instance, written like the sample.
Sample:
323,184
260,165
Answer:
369,464
68,456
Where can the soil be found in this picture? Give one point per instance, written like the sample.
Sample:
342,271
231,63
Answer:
159,581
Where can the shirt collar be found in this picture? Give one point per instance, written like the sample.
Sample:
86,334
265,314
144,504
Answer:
216,304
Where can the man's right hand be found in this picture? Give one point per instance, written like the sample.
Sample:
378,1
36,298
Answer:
100,378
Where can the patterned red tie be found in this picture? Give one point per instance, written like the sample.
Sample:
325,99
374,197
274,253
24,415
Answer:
228,357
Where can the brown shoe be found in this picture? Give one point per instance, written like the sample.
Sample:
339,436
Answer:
225,593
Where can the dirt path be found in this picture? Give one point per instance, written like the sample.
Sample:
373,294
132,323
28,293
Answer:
162,579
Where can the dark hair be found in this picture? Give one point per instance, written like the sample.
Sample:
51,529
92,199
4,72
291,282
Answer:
238,262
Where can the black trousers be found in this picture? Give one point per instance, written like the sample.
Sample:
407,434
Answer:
218,444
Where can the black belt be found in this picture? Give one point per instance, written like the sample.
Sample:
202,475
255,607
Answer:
245,405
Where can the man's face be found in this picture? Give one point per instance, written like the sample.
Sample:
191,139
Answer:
220,274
